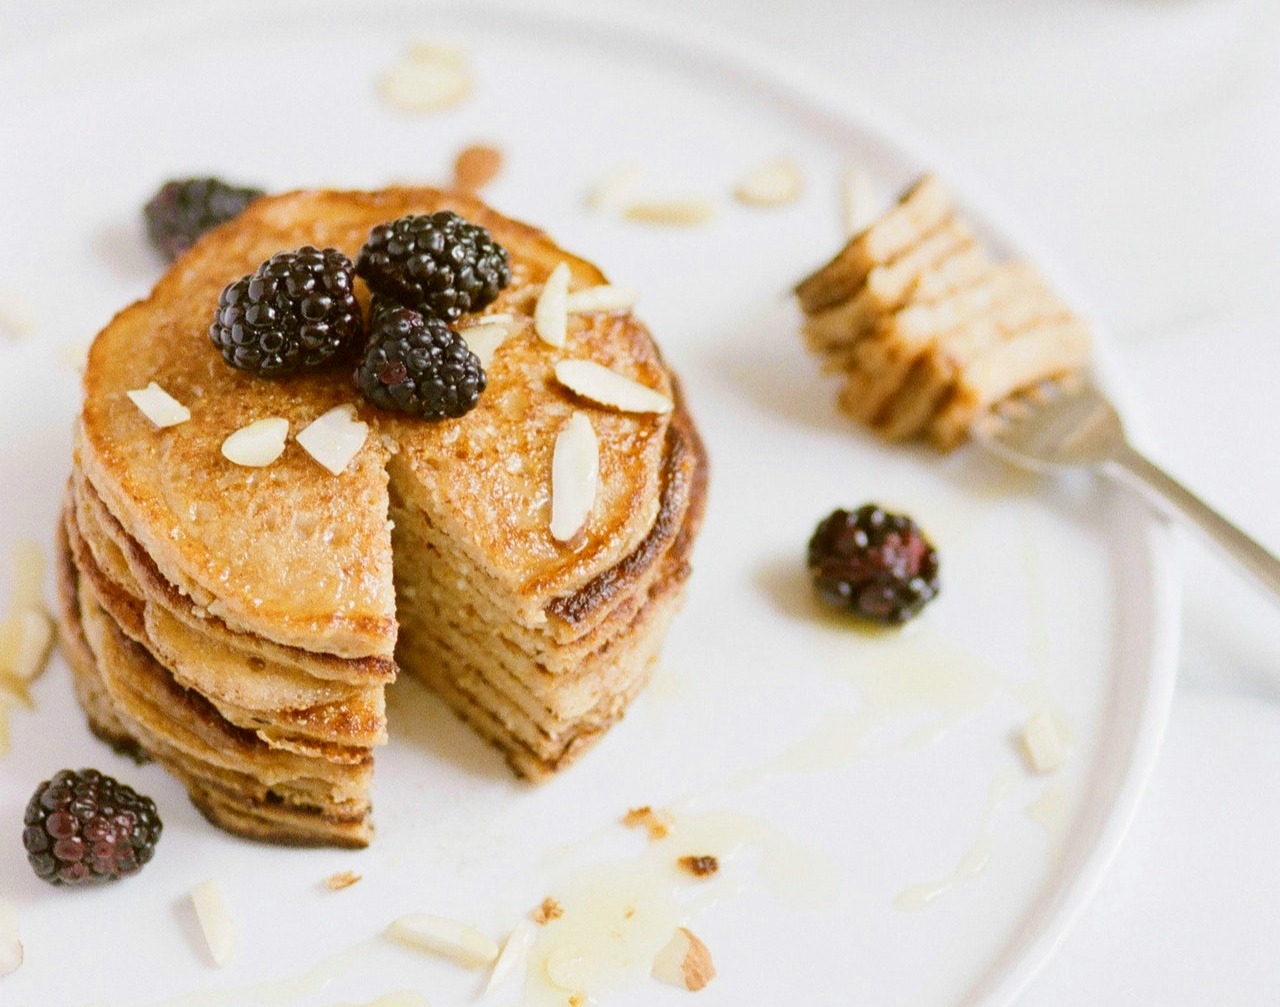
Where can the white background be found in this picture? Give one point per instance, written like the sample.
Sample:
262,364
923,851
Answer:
1140,141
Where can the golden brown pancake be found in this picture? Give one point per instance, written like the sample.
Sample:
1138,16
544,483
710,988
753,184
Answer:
240,624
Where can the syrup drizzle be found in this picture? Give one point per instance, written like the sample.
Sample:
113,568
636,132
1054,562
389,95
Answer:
618,915
974,861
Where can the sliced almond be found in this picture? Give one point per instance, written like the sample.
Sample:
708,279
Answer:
685,962
616,189
430,78
28,574
334,438
550,315
606,297
17,318
484,338
575,477
26,633
342,879
476,166
858,201
463,944
775,183
671,212
1043,744
609,388
258,444
27,645
13,690
514,950
10,941
215,921
159,406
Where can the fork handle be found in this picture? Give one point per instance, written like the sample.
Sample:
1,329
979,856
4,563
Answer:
1171,495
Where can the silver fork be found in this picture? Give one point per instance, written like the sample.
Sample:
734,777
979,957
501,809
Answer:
1081,429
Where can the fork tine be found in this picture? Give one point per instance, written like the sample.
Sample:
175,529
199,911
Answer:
1057,429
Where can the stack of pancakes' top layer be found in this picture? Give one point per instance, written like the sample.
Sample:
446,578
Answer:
240,623
302,557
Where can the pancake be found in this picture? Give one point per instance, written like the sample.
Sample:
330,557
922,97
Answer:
240,625
930,334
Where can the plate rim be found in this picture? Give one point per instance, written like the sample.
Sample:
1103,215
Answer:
998,985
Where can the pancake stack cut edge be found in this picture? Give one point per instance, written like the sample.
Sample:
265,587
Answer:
240,626
929,334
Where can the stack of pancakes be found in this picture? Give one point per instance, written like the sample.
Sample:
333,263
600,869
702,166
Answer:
928,333
240,625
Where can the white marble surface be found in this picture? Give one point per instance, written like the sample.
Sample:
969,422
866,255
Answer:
1141,140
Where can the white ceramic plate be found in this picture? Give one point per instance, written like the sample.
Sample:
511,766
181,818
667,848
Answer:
1056,597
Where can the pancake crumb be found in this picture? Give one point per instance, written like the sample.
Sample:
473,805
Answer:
340,880
549,910
701,866
476,166
658,823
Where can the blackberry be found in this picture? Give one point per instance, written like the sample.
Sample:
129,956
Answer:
183,209
416,364
873,563
439,264
86,828
379,308
297,311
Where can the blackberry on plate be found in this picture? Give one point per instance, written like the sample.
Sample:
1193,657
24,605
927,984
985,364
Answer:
416,364
84,828
183,209
297,311
436,263
873,563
